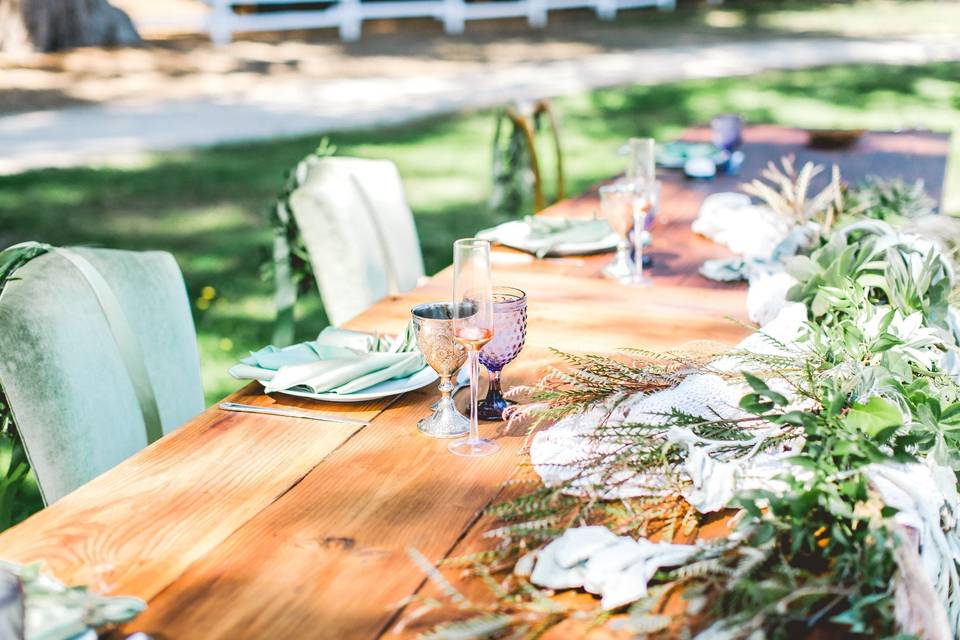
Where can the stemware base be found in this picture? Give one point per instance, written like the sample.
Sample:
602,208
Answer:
445,424
470,448
618,269
491,409
637,281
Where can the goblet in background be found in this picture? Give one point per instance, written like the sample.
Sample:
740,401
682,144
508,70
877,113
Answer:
726,131
616,206
509,333
433,324
473,327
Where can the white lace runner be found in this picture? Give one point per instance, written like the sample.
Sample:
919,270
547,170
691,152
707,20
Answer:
556,452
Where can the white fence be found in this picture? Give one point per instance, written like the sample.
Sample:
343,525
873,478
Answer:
348,15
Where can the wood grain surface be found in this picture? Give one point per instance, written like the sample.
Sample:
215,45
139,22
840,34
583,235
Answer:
247,526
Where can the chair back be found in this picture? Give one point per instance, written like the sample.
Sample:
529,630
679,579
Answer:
92,342
516,153
359,232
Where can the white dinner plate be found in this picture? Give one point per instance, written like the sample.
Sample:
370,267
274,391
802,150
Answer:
513,234
609,243
380,390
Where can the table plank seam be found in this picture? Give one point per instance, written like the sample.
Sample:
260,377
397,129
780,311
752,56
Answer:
392,620
267,505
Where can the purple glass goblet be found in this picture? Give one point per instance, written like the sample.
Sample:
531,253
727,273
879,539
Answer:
509,333
727,131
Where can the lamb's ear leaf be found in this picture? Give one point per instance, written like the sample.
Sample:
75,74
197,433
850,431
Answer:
874,416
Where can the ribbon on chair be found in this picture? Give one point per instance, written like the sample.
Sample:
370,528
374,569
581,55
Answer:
389,262
126,340
285,297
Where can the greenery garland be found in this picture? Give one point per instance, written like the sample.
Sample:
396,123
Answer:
293,267
872,383
513,178
14,474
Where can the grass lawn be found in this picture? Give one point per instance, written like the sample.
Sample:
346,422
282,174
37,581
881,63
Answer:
206,206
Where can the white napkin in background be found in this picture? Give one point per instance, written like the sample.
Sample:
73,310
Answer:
748,230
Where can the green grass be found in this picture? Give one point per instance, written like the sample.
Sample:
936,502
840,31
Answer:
206,206
697,22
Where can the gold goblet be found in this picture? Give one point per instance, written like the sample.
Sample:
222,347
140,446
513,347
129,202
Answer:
433,323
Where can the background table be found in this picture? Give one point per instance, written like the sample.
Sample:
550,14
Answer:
250,526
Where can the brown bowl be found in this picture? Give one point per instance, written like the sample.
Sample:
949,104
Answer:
833,138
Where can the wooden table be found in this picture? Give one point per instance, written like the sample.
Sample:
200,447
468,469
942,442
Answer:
248,526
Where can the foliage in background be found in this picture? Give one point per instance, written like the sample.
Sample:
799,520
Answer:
521,163
288,264
785,191
281,219
890,200
512,175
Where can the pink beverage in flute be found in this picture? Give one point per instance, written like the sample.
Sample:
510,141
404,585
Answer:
473,337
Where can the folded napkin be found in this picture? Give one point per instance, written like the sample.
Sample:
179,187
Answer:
730,219
338,361
541,234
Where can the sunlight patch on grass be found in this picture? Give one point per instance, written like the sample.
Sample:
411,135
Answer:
867,18
721,19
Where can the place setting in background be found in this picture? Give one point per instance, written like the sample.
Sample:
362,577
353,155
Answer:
705,160
622,223
630,204
545,236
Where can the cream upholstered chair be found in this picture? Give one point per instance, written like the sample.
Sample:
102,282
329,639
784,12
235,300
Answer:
98,357
359,232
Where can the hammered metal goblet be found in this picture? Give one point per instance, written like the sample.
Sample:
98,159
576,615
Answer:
433,324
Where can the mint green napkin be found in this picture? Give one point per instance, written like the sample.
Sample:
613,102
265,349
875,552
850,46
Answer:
541,234
338,361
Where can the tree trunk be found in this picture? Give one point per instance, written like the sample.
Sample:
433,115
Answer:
54,25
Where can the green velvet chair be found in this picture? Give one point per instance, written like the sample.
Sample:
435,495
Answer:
98,357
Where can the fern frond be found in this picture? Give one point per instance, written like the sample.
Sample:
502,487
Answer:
475,628
702,569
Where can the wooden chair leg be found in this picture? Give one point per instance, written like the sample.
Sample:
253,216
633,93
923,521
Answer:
523,122
543,106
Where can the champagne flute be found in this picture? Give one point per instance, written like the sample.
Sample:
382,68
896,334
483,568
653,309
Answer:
642,167
472,327
643,205
642,179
